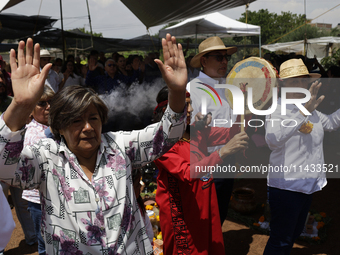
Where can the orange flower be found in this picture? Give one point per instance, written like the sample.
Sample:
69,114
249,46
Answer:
149,207
316,238
256,224
262,205
306,128
320,225
323,214
156,204
261,219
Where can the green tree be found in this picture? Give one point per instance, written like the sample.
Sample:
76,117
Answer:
333,60
273,25
299,34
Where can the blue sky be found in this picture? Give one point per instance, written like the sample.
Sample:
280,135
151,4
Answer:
115,20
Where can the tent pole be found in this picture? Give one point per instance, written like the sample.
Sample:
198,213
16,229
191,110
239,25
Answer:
62,29
260,45
88,11
196,40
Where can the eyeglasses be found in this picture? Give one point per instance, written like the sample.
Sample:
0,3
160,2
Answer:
220,57
110,65
43,103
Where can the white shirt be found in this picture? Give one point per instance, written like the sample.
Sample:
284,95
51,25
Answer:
75,80
300,153
53,80
218,110
34,133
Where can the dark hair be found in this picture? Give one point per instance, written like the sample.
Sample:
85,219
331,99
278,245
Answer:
161,97
63,69
117,57
69,104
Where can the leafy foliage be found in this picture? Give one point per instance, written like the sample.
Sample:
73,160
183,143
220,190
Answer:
333,60
274,26
82,29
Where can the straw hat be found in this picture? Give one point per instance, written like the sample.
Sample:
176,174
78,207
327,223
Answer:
295,68
210,44
45,53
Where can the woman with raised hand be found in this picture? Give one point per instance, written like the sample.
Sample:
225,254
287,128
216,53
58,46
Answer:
84,177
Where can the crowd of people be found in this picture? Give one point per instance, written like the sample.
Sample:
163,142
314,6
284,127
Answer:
81,185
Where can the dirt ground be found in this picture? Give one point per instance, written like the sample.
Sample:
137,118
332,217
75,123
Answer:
238,238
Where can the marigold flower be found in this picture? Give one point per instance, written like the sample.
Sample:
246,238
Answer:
320,225
261,219
316,238
256,224
306,128
149,207
323,214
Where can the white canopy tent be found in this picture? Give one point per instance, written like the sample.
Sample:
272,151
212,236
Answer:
214,24
316,46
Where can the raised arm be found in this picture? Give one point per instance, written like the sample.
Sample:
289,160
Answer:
174,72
28,84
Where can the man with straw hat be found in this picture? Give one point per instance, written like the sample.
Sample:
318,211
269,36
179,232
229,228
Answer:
299,145
213,58
53,80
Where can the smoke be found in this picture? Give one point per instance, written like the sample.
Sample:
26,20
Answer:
132,108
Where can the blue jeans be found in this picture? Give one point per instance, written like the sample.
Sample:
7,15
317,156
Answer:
289,211
22,213
35,211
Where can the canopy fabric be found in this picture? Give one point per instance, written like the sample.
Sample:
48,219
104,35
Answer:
15,26
76,39
143,42
5,4
7,46
318,47
211,24
156,12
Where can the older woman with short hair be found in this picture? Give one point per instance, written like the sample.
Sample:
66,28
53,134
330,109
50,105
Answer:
87,197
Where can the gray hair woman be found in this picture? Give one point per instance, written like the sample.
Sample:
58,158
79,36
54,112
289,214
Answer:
87,197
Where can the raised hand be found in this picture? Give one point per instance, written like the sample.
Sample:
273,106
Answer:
174,70
92,64
27,81
28,84
314,101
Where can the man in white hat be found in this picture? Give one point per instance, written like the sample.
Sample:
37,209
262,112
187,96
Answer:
213,60
53,79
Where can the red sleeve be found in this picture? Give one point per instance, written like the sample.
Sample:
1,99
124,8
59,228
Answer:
177,163
219,135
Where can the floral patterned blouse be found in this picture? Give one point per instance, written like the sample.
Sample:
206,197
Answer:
34,132
82,216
